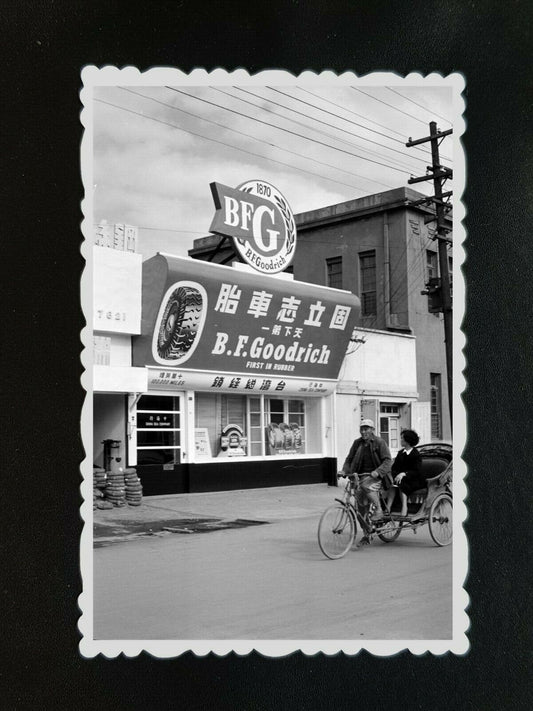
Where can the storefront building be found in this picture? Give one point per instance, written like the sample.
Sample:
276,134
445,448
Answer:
217,377
241,371
230,381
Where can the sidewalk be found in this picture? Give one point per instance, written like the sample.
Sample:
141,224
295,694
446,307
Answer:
191,513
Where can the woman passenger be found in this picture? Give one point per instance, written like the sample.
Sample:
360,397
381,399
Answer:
406,470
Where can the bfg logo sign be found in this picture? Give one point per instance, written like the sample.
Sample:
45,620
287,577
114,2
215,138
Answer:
260,221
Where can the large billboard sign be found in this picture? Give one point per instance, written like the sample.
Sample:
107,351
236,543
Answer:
213,319
260,221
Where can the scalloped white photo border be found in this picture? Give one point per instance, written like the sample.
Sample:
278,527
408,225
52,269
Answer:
459,644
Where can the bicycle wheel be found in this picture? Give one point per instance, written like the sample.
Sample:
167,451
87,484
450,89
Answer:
336,531
440,520
390,531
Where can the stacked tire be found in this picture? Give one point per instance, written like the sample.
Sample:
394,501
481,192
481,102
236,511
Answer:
134,490
99,486
115,491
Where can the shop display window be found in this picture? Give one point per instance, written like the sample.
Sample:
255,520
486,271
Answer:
238,426
158,429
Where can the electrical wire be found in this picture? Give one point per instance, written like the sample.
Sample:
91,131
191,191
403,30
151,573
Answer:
397,109
389,105
394,91
247,135
228,145
286,130
402,153
340,106
299,123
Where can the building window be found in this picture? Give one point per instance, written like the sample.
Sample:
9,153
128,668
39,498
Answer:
158,430
432,267
268,425
334,272
367,262
389,425
432,264
436,405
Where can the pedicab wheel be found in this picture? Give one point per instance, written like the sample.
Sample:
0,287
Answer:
336,531
390,531
440,520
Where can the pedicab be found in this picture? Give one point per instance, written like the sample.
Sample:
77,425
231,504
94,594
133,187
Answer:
432,506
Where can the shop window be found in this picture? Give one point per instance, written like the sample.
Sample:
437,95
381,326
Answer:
367,263
253,426
334,272
224,418
285,427
158,430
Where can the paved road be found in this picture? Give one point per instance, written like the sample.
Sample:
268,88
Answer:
271,582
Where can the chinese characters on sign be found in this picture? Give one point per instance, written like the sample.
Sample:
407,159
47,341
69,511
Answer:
214,319
262,354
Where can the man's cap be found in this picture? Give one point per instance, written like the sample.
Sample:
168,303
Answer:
367,423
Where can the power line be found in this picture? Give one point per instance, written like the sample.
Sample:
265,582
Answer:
247,135
299,123
390,105
167,229
206,233
227,145
340,106
293,133
402,153
419,105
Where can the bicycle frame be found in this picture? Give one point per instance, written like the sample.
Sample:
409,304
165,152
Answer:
362,518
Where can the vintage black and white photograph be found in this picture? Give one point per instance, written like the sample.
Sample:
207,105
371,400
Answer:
273,424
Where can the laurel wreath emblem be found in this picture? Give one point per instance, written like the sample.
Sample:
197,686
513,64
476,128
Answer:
288,219
290,225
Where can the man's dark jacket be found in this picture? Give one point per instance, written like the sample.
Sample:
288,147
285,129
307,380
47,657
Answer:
380,456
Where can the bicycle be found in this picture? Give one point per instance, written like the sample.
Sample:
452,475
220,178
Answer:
338,524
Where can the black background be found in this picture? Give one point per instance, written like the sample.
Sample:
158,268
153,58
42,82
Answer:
45,45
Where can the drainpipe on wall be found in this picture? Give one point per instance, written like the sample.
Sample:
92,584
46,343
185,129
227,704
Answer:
386,269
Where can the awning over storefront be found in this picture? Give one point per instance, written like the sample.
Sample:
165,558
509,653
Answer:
213,326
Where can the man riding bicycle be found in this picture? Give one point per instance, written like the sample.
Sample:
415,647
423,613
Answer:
369,461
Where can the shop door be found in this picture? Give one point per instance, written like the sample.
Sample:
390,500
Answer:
159,430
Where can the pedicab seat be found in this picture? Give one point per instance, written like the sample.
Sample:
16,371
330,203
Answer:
433,469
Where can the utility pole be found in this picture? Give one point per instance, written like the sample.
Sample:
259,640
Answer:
439,174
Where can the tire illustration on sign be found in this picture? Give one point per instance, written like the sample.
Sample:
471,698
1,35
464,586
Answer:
179,323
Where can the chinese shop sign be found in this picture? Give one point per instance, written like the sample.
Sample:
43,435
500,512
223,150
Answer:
209,318
260,221
237,383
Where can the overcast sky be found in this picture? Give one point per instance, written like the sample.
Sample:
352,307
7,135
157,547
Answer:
154,157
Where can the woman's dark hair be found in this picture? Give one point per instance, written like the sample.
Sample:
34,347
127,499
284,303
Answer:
411,437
